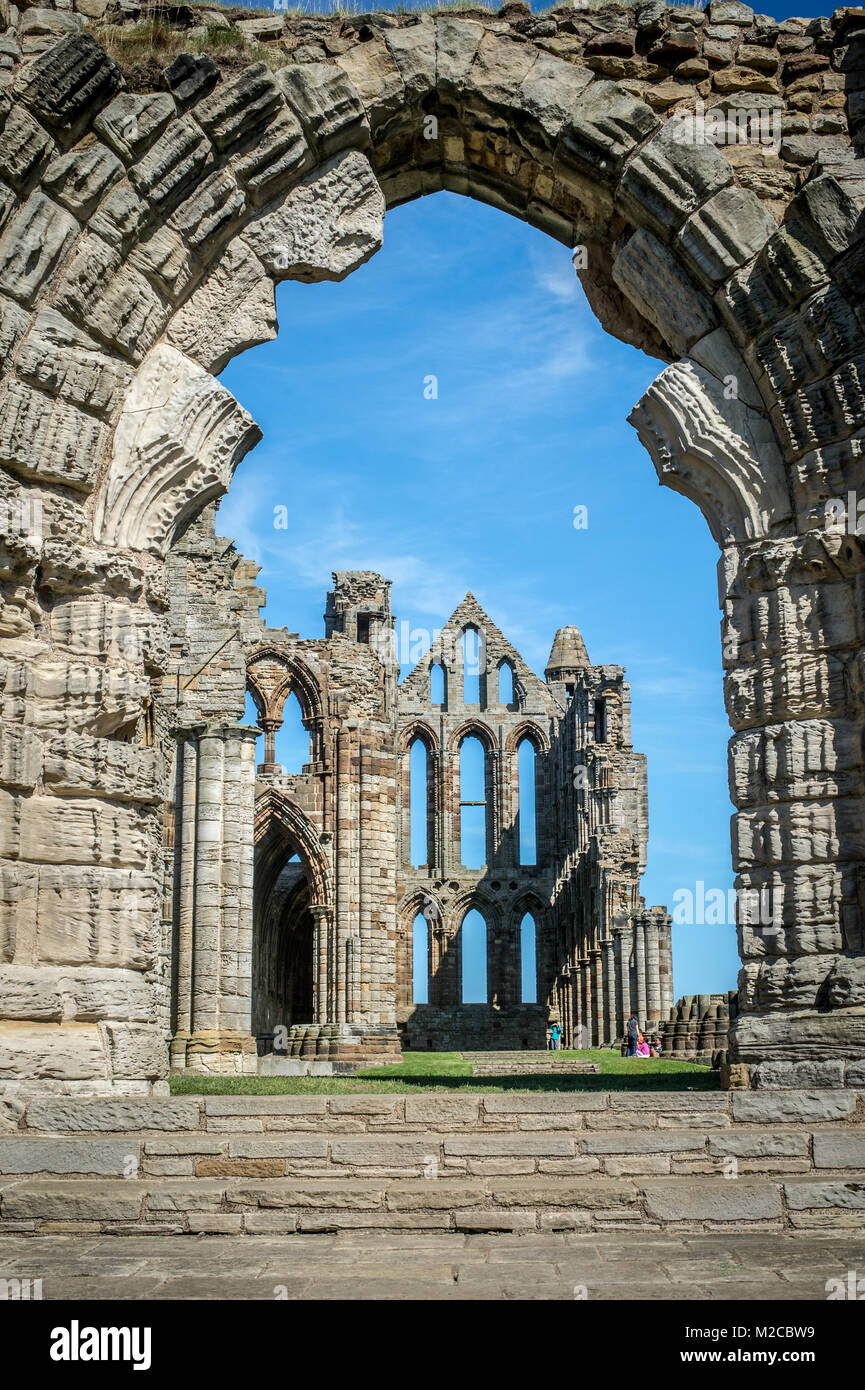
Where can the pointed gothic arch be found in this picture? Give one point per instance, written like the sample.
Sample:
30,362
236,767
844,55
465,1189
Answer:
293,172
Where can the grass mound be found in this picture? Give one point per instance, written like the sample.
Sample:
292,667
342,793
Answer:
142,50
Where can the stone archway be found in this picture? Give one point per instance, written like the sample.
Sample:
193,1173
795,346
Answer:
290,903
142,238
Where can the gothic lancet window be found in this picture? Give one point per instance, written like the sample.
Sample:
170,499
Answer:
528,961
437,685
472,653
473,809
420,959
506,683
473,935
527,809
418,803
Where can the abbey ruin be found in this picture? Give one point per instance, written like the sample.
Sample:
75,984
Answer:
147,915
345,920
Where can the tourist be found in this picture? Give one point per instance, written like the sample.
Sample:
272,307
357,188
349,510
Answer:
632,1031
642,1046
555,1037
656,1046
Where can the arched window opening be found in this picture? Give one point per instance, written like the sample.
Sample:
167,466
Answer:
600,721
418,804
292,746
437,685
473,804
473,933
527,813
472,661
420,960
506,683
528,961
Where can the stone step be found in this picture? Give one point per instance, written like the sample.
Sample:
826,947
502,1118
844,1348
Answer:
543,1067
367,1112
314,1152
523,1054
502,1161
34,1206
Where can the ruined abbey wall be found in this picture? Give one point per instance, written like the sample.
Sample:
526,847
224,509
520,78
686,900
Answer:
336,895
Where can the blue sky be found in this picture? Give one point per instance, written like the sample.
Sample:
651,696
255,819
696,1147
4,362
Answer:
476,490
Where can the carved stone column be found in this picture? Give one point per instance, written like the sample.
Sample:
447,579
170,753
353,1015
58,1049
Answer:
214,857
653,970
639,1001
793,638
620,954
322,920
270,727
577,990
343,854
791,583
609,970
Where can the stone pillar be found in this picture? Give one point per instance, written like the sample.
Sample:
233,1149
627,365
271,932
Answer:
587,1001
510,844
597,1020
214,857
794,693
208,881
368,844
321,954
434,812
653,970
609,1032
640,1002
668,997
577,990
270,727
450,820
344,893
621,964
566,1007
184,884
497,818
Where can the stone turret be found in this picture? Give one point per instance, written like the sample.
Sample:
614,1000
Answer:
358,605
568,655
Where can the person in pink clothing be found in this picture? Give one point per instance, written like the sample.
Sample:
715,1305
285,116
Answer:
643,1049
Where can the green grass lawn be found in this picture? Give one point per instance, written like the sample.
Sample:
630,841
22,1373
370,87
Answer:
447,1071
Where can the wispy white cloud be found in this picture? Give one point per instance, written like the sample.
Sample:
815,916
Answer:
560,281
305,557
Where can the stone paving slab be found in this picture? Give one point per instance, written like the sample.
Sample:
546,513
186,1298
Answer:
447,1266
